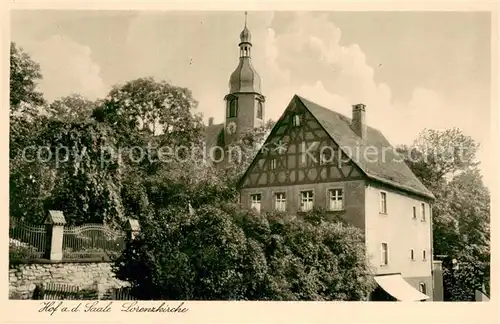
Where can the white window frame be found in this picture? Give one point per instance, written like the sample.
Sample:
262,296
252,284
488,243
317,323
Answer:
383,206
424,255
412,254
279,201
252,195
329,198
310,200
384,257
414,216
296,120
272,164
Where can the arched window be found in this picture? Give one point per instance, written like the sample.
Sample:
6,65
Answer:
260,110
233,108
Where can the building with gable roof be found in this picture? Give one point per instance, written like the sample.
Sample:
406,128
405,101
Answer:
315,157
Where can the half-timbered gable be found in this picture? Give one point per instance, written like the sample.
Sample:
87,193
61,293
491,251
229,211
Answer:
299,151
317,157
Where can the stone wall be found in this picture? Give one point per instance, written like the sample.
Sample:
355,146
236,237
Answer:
23,278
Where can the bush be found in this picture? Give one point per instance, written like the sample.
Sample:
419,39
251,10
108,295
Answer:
460,284
18,253
221,253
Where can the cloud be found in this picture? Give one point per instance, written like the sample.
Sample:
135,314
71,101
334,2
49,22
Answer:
295,53
310,48
307,58
67,67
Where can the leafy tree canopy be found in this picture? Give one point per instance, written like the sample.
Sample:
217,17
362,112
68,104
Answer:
24,76
221,253
72,108
153,108
445,161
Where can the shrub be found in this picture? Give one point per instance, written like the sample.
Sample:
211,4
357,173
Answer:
18,253
222,253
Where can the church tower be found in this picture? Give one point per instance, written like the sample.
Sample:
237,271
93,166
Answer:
244,102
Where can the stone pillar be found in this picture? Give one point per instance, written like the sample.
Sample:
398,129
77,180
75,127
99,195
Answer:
132,228
437,276
55,222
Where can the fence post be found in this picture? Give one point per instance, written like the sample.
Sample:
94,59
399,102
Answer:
55,230
132,228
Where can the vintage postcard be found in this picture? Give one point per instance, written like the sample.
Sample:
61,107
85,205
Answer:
182,165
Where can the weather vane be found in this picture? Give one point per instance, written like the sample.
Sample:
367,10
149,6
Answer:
246,13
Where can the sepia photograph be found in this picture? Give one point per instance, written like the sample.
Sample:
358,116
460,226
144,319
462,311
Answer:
250,156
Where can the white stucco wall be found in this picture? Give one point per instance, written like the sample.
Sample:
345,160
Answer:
400,231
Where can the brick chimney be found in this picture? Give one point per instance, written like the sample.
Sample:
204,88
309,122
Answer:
210,121
358,123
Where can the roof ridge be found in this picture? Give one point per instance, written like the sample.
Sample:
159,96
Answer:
336,112
321,106
373,170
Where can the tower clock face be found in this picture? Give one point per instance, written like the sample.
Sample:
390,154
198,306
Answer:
231,127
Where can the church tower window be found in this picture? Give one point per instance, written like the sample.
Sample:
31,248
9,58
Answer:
260,110
233,108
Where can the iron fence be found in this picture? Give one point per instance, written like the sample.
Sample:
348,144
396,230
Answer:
91,241
27,241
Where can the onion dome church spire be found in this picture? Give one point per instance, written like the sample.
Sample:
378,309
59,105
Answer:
244,103
245,78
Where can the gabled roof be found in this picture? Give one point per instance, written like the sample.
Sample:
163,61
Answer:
382,163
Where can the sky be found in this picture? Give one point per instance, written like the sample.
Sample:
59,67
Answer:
413,70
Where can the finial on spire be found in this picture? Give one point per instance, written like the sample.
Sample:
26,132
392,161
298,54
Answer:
246,14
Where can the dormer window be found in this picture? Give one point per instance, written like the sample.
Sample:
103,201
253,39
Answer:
233,108
260,110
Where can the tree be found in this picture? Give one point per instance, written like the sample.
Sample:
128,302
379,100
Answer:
88,171
248,145
435,155
152,108
463,216
99,177
463,233
72,108
24,76
30,181
71,167
222,253
444,161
